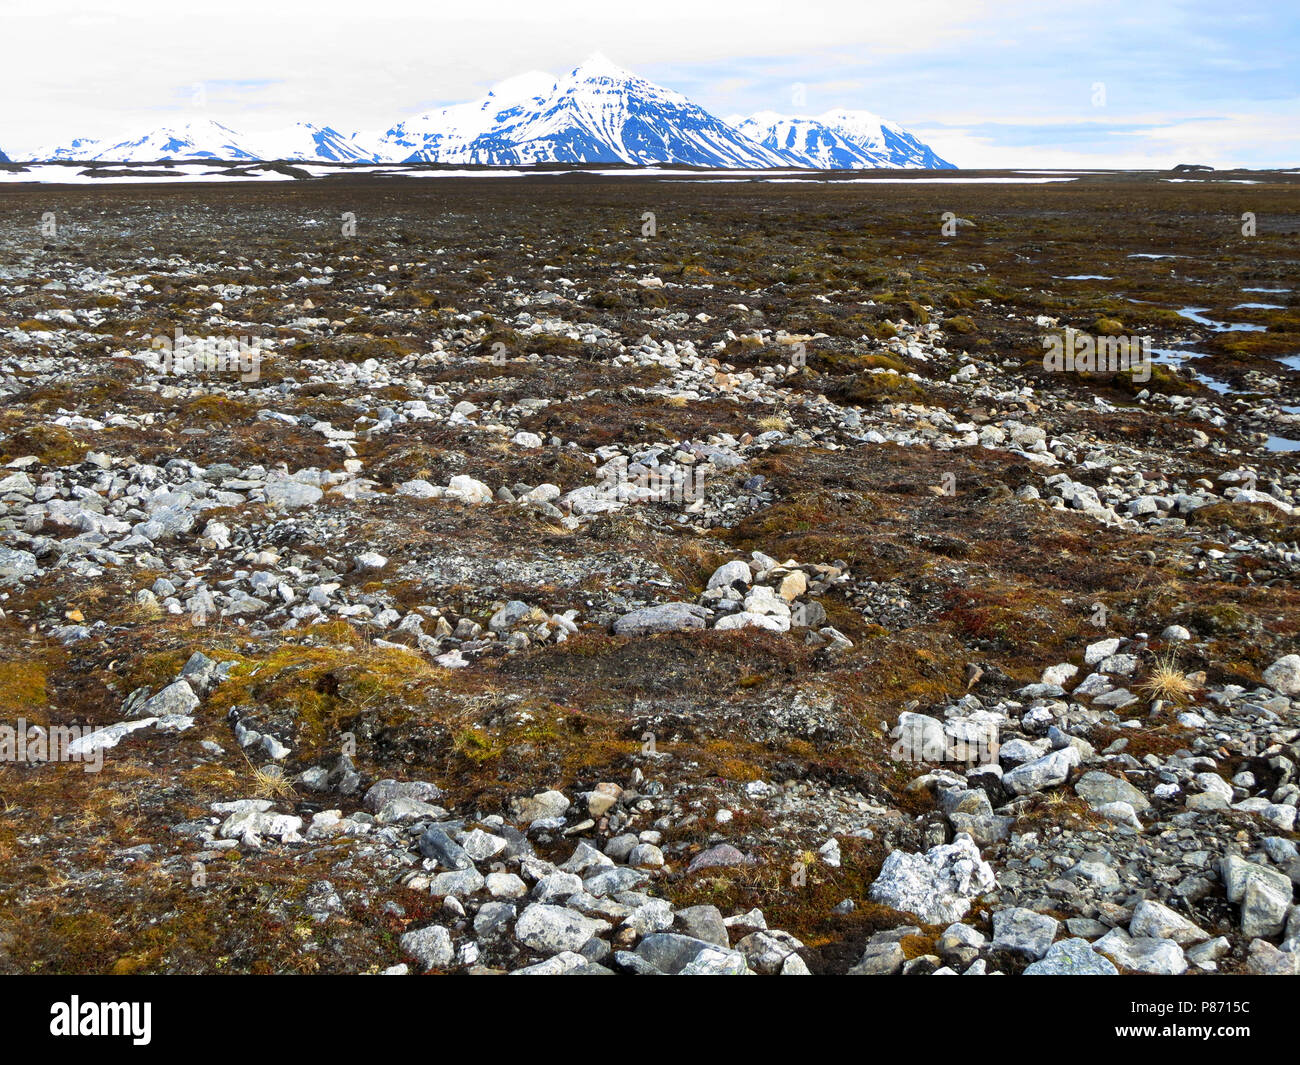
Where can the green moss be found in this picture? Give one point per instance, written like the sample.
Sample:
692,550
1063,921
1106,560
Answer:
1219,618
52,444
218,410
23,686
871,388
915,313
322,686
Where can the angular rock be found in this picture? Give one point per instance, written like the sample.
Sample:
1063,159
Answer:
554,929
1284,675
937,886
666,617
1155,957
431,947
703,922
1155,920
1023,931
1072,957
384,790
1097,789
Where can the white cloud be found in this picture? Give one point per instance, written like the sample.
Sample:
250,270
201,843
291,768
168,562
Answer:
106,67
74,68
1161,140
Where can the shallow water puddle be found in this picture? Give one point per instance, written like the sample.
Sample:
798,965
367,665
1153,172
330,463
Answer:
1177,356
1194,314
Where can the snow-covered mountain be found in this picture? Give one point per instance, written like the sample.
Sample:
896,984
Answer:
841,140
304,141
878,135
817,144
207,139
3,158
597,113
198,139
78,149
446,134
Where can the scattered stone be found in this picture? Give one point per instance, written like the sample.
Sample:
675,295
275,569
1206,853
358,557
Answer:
937,886
552,929
1072,957
667,617
1284,675
1023,931
431,947
1156,957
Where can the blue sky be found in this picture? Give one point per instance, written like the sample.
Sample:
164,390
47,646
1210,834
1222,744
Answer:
992,83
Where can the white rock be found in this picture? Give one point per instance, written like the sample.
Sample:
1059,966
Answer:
1100,651
554,929
730,572
468,490
1142,954
1284,675
746,619
431,946
937,886
419,489
1059,674
1155,920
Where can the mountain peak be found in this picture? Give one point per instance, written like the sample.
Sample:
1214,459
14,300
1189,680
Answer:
598,65
203,125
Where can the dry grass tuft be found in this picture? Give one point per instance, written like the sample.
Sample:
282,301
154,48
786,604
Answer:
1167,682
269,782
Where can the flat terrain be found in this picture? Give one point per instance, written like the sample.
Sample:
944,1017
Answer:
413,535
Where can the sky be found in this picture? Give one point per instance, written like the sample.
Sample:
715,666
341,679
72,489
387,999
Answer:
986,83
